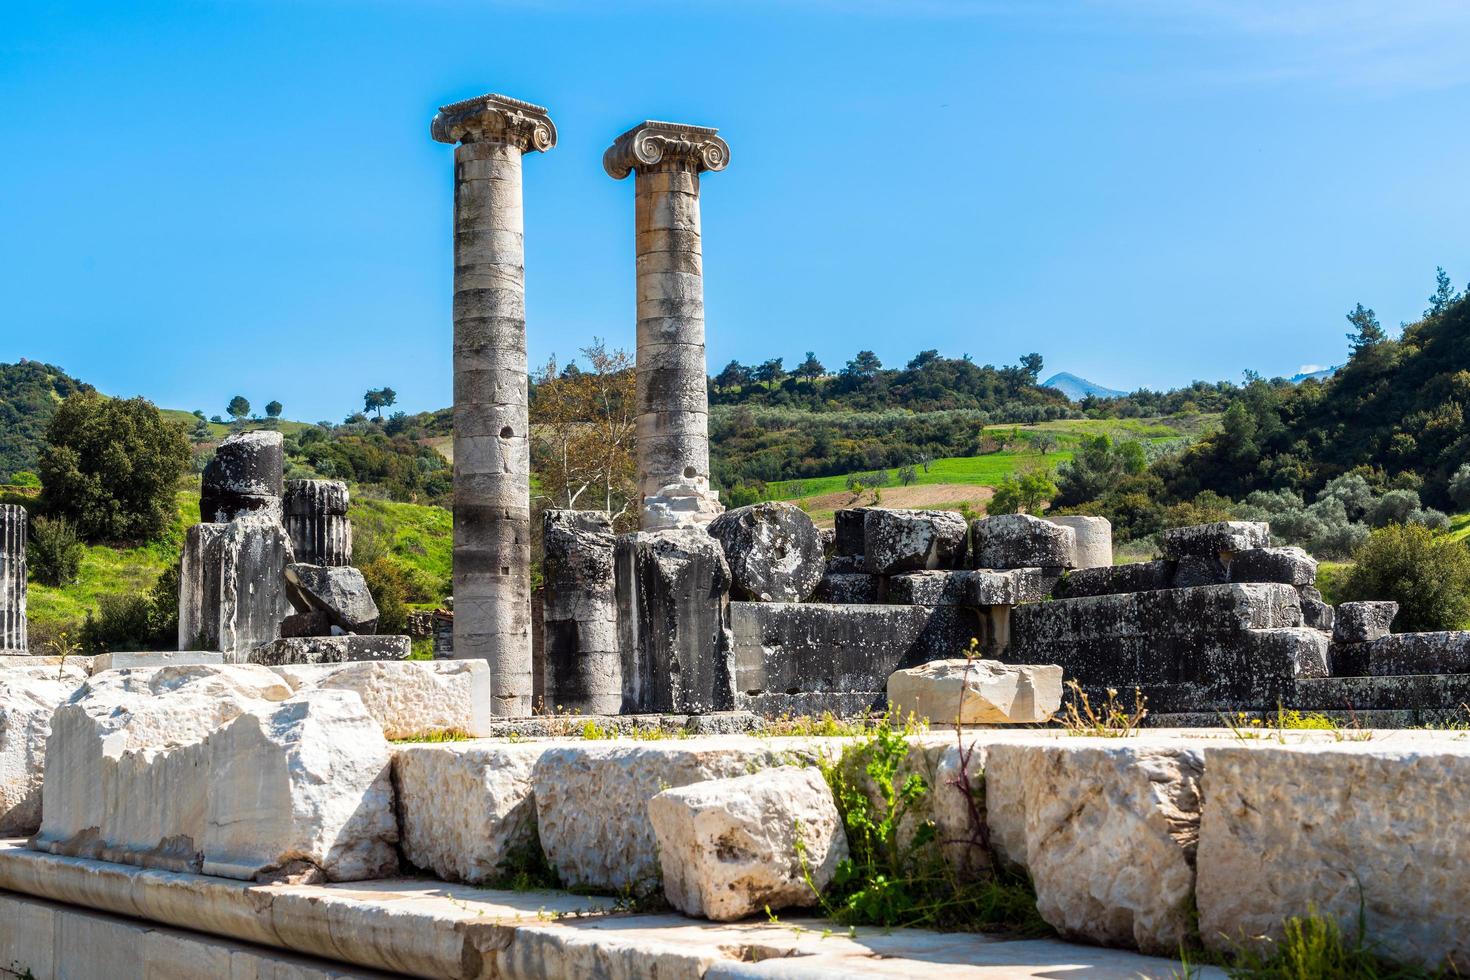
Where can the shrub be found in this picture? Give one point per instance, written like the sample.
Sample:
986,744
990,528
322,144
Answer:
53,551
25,478
1459,488
1427,574
389,585
111,467
121,622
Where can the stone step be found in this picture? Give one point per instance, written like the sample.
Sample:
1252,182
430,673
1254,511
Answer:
1402,692
431,929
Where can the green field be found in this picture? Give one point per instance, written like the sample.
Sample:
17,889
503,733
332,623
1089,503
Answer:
980,471
988,470
418,537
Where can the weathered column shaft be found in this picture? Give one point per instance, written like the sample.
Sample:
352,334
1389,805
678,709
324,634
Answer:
492,459
13,579
673,405
316,519
580,624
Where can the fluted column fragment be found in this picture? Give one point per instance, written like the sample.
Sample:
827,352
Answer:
12,579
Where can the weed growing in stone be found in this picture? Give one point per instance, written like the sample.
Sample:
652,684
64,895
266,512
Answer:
525,868
1112,720
1313,947
442,735
897,875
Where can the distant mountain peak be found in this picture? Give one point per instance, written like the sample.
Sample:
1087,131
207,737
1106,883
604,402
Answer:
1077,388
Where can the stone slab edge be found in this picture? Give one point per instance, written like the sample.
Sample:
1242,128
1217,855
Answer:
434,929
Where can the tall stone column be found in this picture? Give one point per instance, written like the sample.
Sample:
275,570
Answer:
12,579
492,457
673,403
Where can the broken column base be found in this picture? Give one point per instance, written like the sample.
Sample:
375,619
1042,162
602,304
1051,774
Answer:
679,505
330,649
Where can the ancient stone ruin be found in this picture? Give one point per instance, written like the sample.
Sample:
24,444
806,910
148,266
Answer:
13,639
289,795
244,589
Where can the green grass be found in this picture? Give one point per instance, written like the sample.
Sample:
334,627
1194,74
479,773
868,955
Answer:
1460,526
981,471
419,537
106,570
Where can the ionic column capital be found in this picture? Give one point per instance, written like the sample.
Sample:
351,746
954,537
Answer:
661,146
495,119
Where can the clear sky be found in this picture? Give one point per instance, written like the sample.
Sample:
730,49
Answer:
210,197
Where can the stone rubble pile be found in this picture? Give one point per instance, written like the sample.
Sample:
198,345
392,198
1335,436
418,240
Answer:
246,591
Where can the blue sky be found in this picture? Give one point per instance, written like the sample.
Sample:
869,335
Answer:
205,198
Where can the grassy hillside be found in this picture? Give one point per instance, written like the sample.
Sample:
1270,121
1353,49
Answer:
107,570
419,538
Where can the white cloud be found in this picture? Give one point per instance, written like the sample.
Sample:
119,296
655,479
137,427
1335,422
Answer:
1311,368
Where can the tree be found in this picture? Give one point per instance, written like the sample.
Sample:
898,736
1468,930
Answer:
1028,493
811,369
865,365
1367,333
273,409
1031,364
1427,574
238,408
111,467
583,428
377,399
1459,487
908,474
1444,294
1045,442
922,358
734,375
770,373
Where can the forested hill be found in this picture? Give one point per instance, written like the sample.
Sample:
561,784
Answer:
29,394
929,383
1396,409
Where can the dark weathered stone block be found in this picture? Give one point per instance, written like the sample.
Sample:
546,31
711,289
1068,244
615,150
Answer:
829,657
331,650
1143,576
340,592
847,533
1418,653
1211,540
849,588
1292,566
912,540
774,551
847,565
580,613
1363,622
243,476
980,587
673,588
1192,572
1021,541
